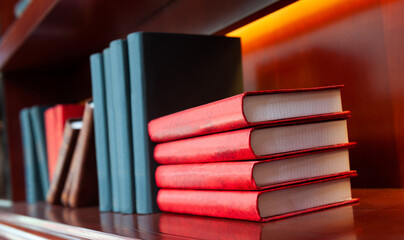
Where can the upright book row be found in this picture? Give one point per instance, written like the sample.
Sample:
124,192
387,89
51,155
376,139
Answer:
256,156
146,76
54,163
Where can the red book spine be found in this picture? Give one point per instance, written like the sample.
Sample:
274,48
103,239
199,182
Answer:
50,139
229,176
223,115
229,204
55,124
223,175
218,116
225,146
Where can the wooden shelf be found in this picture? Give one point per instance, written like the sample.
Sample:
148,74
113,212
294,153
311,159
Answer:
379,215
57,32
21,30
53,31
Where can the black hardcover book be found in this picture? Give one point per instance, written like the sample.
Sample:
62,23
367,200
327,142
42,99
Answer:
170,73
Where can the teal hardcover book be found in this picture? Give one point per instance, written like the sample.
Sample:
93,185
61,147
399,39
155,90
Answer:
111,131
38,129
33,188
123,124
170,73
101,132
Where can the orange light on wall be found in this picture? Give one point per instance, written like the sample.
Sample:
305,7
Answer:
356,43
269,40
297,18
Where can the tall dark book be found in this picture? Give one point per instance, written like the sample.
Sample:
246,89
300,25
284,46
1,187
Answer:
112,146
38,128
170,73
101,131
121,92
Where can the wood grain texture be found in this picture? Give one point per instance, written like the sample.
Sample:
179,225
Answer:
312,43
359,221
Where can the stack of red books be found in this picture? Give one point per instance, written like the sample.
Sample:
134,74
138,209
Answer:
256,156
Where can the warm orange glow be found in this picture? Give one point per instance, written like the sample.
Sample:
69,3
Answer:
296,18
301,41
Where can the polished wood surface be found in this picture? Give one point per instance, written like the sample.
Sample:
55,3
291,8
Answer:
357,43
379,215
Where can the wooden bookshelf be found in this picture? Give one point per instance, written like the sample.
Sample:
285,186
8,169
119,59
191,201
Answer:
44,60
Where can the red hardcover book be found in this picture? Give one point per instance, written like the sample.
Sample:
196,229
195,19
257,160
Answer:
257,143
55,119
255,175
263,205
247,110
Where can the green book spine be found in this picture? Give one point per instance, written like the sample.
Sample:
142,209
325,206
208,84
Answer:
111,132
101,132
121,95
38,129
146,198
33,187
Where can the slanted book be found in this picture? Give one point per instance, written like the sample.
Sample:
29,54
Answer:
55,119
246,110
81,188
70,134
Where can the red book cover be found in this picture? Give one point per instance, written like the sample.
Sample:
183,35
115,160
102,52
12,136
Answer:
55,119
237,145
246,205
223,115
239,175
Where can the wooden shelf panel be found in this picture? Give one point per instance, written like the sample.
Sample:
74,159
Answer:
51,32
57,32
20,31
359,221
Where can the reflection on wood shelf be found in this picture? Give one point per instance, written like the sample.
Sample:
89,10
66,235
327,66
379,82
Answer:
359,221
